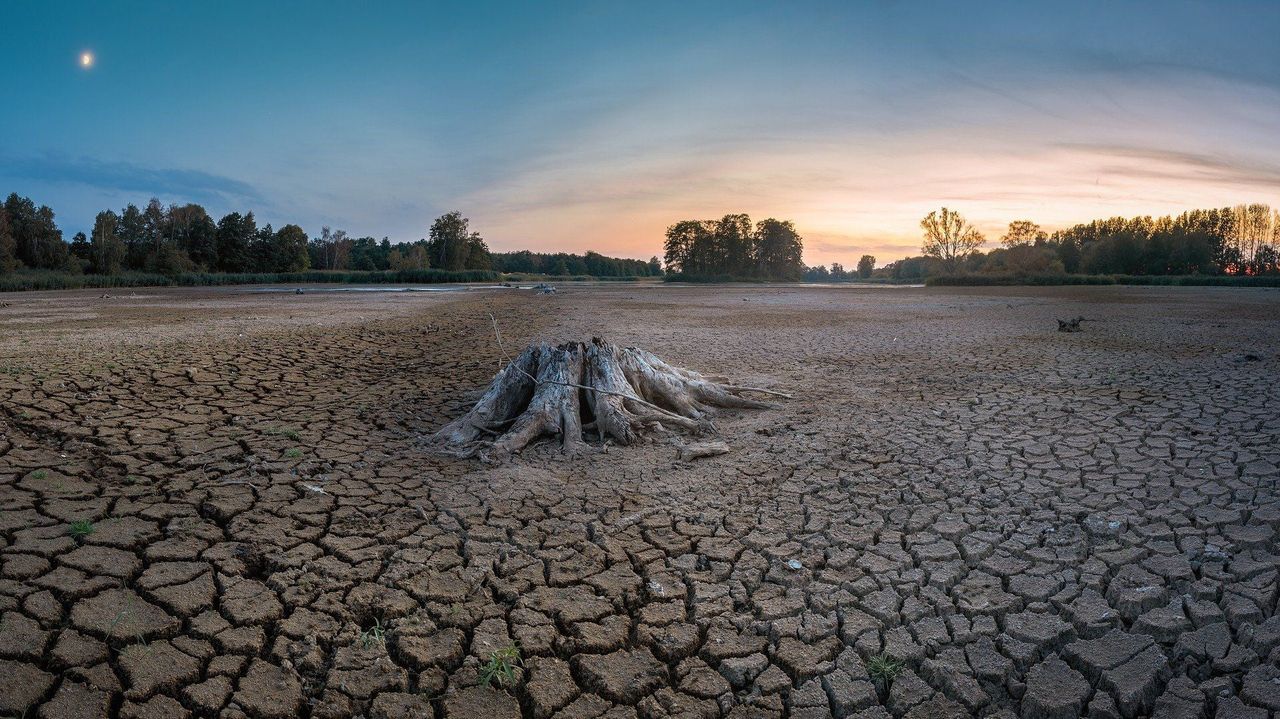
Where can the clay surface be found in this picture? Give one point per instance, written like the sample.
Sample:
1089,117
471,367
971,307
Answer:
220,503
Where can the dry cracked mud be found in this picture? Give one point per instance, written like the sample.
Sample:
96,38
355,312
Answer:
218,503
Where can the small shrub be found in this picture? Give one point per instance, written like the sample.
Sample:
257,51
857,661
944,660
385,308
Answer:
500,670
40,474
293,453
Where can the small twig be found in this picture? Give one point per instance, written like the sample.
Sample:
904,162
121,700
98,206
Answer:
761,390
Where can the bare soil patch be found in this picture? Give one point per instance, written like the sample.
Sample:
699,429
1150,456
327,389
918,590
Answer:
220,502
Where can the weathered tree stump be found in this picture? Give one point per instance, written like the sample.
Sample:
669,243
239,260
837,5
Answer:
1071,325
579,389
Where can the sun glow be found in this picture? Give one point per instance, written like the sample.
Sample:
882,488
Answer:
86,60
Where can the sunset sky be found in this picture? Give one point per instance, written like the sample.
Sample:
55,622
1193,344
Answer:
594,125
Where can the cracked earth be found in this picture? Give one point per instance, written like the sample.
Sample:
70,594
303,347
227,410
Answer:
217,503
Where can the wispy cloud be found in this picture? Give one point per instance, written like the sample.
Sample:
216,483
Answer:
1159,163
128,177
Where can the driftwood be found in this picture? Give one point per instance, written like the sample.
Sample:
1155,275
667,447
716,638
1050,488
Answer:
1071,325
699,450
595,388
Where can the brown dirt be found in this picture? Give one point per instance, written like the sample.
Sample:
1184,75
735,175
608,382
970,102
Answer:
1031,522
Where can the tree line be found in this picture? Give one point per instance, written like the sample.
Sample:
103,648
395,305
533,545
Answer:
562,263
176,239
1239,240
734,248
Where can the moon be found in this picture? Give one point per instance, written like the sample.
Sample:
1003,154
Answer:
86,60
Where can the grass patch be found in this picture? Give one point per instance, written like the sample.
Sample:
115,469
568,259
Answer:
40,474
80,529
293,453
286,432
884,668
500,670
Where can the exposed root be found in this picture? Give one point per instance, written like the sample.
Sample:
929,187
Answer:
565,391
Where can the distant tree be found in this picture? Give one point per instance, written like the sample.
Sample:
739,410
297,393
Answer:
451,241
107,250
364,255
236,234
818,273
837,272
262,249
655,266
289,250
132,231
1251,231
1022,232
193,233
8,246
779,249
37,240
866,265
735,246
80,248
478,257
156,228
689,247
948,237
331,250
408,257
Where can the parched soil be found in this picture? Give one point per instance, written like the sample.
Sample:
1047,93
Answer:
219,503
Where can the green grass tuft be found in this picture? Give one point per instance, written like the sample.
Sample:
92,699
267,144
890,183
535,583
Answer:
884,668
80,528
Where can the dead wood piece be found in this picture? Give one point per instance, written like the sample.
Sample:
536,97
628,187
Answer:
1071,325
507,394
614,392
554,407
699,450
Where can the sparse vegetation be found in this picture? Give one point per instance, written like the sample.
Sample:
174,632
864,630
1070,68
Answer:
293,453
286,432
884,668
80,529
500,670
373,636
40,474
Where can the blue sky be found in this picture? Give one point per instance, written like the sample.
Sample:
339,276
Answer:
593,125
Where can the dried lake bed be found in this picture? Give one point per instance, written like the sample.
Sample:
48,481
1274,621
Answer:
218,502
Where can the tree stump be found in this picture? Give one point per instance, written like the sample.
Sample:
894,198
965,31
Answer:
579,389
1071,325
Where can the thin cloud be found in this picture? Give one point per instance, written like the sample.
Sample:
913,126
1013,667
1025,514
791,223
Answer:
1180,165
131,178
